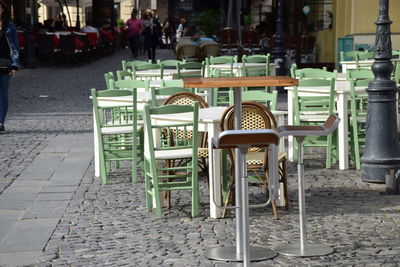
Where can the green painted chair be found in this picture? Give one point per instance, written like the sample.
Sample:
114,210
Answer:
124,75
167,91
169,63
171,83
312,110
396,72
130,84
190,66
249,70
148,72
128,65
357,56
117,129
220,95
268,99
161,173
109,79
189,98
358,112
311,73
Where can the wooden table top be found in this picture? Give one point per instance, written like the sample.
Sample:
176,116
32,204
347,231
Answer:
239,81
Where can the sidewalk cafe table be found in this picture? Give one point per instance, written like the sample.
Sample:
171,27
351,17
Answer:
342,96
169,74
237,83
209,121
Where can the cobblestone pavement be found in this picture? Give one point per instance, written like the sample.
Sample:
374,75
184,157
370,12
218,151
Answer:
108,225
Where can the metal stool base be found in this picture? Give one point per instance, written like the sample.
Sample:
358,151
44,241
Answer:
309,251
229,254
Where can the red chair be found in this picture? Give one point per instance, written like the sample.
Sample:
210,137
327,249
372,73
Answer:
228,40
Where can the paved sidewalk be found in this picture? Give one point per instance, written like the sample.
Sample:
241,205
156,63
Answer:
53,212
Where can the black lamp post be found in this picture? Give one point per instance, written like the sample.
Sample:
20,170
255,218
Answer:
30,57
279,52
382,149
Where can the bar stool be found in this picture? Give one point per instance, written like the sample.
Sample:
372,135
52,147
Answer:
305,249
242,140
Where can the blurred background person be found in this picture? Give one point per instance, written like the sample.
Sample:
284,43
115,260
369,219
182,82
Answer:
134,28
152,35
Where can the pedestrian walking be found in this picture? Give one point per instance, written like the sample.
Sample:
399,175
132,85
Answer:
9,58
152,35
135,27
169,30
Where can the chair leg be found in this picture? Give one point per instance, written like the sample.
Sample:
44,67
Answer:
149,197
329,152
284,179
195,191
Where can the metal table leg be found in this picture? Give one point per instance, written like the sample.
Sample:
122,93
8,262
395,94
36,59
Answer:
303,249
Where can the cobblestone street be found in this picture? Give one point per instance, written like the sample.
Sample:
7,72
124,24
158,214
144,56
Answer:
84,223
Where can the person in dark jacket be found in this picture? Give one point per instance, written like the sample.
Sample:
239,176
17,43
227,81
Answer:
9,58
152,34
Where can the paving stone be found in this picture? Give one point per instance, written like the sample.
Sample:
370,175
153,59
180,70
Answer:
43,167
19,258
54,196
46,209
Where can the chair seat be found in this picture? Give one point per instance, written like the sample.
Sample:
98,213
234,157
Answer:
175,154
119,130
314,117
257,158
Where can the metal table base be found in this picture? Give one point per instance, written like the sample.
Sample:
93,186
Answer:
229,254
309,250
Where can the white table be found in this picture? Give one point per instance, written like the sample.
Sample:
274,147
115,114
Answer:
352,65
209,121
238,68
342,96
168,74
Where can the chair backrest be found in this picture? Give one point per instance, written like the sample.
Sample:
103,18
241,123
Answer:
359,74
171,83
311,73
190,66
186,98
228,37
130,84
311,105
188,52
128,65
124,74
170,63
246,37
109,78
148,71
293,69
396,75
167,91
109,115
255,116
169,140
210,49
354,55
228,72
259,70
254,37
268,99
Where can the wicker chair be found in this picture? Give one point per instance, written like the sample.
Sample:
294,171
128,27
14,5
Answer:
188,52
255,116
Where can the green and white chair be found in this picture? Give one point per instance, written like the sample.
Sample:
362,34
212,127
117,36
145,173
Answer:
117,129
128,65
130,84
171,83
268,99
312,110
148,72
220,95
124,75
177,142
358,112
109,79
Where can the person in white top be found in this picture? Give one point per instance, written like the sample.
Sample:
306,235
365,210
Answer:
89,28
